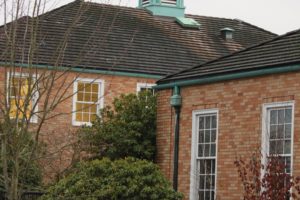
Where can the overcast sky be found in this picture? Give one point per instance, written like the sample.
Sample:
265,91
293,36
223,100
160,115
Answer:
278,16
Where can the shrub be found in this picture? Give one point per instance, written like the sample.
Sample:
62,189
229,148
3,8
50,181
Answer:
114,180
126,130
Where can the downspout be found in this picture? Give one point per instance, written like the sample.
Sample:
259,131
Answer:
176,101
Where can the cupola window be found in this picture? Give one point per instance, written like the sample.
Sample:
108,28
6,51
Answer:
145,2
169,2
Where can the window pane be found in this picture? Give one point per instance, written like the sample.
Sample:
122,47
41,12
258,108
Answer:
280,131
207,136
202,180
95,88
213,181
80,87
17,109
273,116
93,108
79,96
201,122
287,147
213,135
288,164
272,147
85,117
79,107
86,108
213,166
208,182
87,97
213,150
288,130
87,87
207,122
288,115
24,89
208,166
78,116
94,97
201,137
201,195
93,117
214,122
202,167
207,195
280,116
212,195
206,150
273,131
279,146
200,150
14,90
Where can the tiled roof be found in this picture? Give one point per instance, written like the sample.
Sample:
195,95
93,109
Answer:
281,51
127,39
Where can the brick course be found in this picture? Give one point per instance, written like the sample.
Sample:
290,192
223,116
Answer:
240,111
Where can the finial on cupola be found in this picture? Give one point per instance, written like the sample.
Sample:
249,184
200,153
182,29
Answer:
168,8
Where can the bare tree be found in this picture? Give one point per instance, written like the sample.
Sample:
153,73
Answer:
31,95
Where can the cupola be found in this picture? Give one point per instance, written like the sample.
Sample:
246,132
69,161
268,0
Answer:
168,8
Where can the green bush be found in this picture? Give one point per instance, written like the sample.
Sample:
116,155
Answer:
125,179
126,130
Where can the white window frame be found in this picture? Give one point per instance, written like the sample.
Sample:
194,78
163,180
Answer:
34,117
100,102
265,126
139,86
194,149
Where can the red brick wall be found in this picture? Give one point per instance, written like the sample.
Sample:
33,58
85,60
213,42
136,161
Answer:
58,131
240,111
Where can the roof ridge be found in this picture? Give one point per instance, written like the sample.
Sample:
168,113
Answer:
208,16
235,19
233,54
59,8
257,27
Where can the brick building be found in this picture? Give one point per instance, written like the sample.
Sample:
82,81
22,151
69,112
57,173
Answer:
101,51
230,107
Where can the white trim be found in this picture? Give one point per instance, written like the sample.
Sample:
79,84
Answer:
34,117
100,103
265,123
139,86
194,148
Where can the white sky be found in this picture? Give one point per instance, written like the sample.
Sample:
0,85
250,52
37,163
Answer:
278,16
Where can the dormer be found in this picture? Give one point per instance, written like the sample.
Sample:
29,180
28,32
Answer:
168,8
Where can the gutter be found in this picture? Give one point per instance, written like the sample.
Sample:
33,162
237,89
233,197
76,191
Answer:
85,70
231,76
